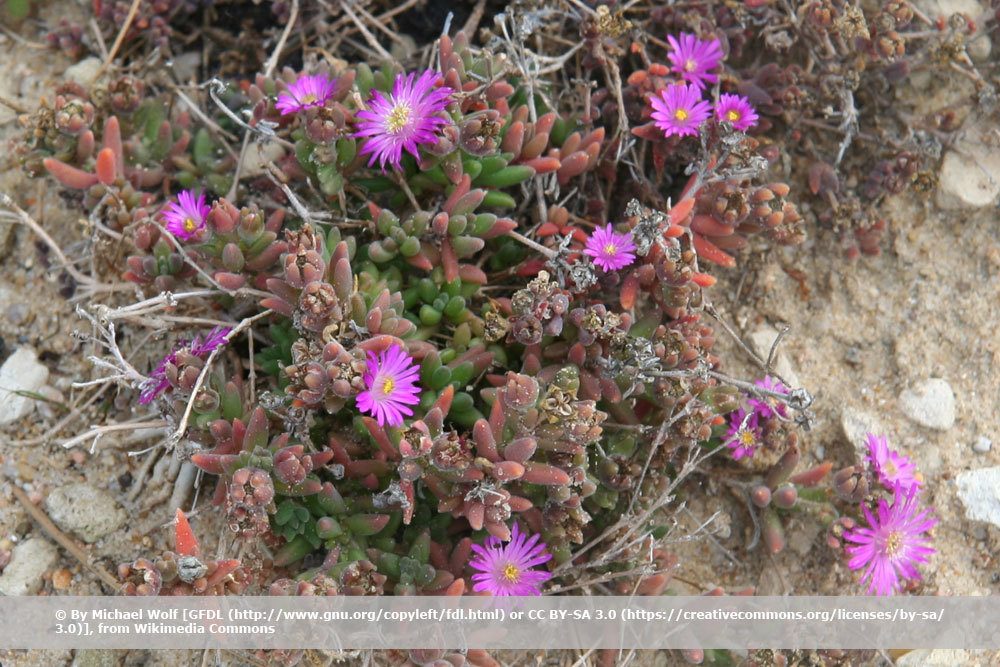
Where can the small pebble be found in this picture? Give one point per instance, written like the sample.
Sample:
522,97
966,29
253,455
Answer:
86,511
930,403
61,579
982,445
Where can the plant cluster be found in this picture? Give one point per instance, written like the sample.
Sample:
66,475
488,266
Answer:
460,337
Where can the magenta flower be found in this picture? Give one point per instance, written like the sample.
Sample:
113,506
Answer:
186,216
391,386
408,117
611,251
765,408
737,111
308,91
679,109
507,570
157,382
892,544
891,468
744,435
693,58
202,347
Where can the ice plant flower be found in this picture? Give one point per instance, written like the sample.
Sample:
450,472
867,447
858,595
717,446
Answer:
679,109
892,544
308,91
508,569
611,251
765,408
744,434
202,347
157,382
737,111
390,382
694,59
186,216
891,468
408,117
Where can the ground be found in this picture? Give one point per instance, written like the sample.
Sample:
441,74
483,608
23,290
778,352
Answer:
860,333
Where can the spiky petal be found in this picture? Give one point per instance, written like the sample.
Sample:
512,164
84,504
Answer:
891,468
157,382
694,59
893,543
508,569
308,91
737,111
408,118
611,251
186,216
679,110
390,382
744,434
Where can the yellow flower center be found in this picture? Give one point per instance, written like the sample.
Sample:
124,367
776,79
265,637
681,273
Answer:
308,98
611,250
890,468
747,438
690,65
511,573
387,386
397,118
733,115
893,543
681,114
189,225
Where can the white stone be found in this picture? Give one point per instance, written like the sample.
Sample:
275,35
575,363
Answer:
930,403
979,48
979,491
87,512
84,72
257,156
945,8
856,425
970,171
29,561
938,657
761,341
982,445
21,372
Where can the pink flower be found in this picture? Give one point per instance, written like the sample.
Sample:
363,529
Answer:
679,109
308,91
611,251
391,386
692,58
892,544
186,216
737,111
507,570
765,408
202,347
891,468
744,434
157,382
409,117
